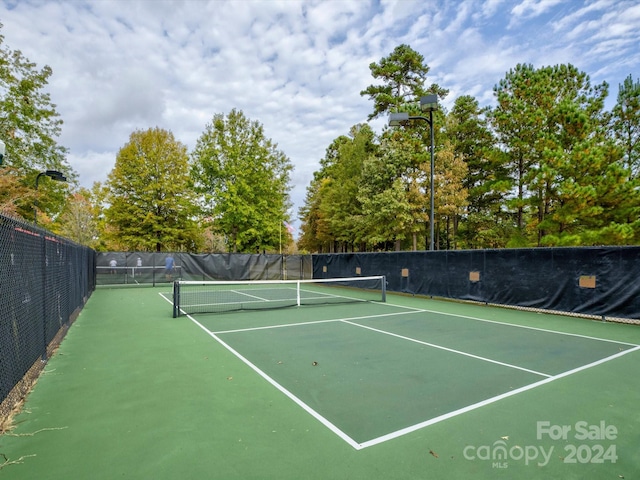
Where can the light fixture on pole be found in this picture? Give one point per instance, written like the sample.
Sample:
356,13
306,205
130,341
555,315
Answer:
428,103
54,175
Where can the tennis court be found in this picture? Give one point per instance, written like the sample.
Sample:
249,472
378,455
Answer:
407,388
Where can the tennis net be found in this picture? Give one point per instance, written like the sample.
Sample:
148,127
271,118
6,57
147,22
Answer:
136,275
224,296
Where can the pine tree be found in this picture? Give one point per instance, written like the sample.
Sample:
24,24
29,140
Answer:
626,124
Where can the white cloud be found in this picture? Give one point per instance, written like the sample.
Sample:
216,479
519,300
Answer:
489,8
295,66
533,8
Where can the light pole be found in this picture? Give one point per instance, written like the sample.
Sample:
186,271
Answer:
428,103
53,174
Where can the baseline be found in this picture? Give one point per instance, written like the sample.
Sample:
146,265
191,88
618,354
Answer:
418,426
404,431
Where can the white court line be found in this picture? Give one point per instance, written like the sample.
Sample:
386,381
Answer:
459,352
247,302
299,402
419,310
300,324
426,423
269,327
517,326
258,299
286,392
329,295
250,296
418,426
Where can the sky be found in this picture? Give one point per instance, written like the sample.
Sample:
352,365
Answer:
296,67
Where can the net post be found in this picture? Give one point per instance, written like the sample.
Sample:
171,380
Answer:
298,293
384,288
176,299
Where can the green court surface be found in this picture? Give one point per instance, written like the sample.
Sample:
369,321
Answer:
408,389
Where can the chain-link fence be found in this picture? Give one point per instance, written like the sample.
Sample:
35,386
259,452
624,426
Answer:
45,280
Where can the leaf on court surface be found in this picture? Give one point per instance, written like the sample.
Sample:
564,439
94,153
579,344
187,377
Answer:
314,363
506,437
229,378
13,462
48,429
433,453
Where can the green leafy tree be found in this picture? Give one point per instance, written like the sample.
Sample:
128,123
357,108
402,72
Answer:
388,214
244,182
452,198
29,126
626,124
487,181
14,193
151,207
333,195
78,220
308,214
316,232
315,235
318,227
394,191
106,236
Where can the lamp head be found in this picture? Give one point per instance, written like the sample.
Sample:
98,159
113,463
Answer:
56,175
429,103
398,119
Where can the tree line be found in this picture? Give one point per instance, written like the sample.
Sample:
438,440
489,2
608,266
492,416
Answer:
547,165
231,193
